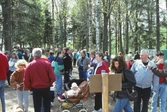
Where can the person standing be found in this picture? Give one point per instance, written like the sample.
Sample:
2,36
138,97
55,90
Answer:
59,70
14,58
67,65
137,56
4,68
16,81
161,91
101,65
82,64
128,81
145,78
38,78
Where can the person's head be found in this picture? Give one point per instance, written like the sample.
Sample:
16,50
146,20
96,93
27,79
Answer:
67,50
160,55
43,51
106,52
74,86
51,53
85,50
92,54
64,49
21,64
150,57
7,53
137,52
14,55
37,52
99,57
144,55
119,54
118,64
83,53
60,53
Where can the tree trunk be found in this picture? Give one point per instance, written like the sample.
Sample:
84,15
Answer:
53,26
105,33
90,26
65,34
158,26
127,29
7,25
166,28
97,19
120,30
116,35
136,28
61,30
110,34
149,12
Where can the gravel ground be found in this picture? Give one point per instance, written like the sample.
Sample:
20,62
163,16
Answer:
11,100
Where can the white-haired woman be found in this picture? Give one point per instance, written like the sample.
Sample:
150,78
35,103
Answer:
16,81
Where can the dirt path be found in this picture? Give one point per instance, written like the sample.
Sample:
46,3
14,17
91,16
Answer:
11,99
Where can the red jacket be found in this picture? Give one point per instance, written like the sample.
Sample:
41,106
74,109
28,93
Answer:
39,74
3,66
102,66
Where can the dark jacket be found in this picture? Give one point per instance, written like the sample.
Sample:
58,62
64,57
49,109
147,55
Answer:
128,81
67,62
160,73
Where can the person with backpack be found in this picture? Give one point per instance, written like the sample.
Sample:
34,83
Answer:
59,70
128,81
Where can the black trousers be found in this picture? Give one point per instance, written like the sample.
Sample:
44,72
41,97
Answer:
40,94
8,76
144,95
98,101
66,77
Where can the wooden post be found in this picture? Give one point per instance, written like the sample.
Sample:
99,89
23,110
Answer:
105,92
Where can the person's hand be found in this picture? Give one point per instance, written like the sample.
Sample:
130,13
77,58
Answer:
154,91
17,86
149,67
61,70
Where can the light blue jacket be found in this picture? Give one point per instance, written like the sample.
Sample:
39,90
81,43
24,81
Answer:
145,78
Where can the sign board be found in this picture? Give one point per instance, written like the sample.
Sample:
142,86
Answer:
114,82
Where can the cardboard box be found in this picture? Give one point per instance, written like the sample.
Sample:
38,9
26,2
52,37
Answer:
114,82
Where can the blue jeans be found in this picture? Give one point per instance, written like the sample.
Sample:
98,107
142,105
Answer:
40,94
82,74
122,104
2,86
161,92
23,99
58,83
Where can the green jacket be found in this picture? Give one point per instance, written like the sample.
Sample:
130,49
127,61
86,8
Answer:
58,66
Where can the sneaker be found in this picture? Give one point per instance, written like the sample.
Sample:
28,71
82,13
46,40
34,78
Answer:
61,96
100,110
51,103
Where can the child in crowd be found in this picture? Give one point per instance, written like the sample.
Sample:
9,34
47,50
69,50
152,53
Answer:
16,81
73,92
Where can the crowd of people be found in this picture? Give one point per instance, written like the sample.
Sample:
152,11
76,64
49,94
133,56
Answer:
38,71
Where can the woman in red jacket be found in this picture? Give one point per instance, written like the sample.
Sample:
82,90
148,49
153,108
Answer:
100,68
